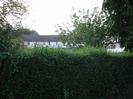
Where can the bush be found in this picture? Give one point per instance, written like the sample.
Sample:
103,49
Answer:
62,74
7,49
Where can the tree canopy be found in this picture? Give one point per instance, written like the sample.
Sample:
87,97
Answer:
10,11
87,29
121,15
23,31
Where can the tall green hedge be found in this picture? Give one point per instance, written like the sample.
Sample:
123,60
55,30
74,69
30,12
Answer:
57,74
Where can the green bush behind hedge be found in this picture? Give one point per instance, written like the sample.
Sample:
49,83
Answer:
66,74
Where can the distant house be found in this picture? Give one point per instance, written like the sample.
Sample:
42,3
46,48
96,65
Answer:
51,41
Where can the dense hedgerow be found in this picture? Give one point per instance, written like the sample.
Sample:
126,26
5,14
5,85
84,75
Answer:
68,74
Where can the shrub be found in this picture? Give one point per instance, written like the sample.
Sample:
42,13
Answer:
60,74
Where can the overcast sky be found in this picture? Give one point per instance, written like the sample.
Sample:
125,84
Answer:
44,14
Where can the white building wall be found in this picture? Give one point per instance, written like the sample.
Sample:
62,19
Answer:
44,44
111,48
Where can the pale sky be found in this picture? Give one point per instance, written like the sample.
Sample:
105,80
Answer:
44,14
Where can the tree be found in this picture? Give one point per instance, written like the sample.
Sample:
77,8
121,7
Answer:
86,30
18,33
11,11
121,15
5,40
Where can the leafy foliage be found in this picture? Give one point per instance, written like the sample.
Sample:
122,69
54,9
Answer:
86,30
9,9
18,33
8,44
121,15
13,9
58,74
4,37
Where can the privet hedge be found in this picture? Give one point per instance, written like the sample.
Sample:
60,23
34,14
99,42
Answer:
56,74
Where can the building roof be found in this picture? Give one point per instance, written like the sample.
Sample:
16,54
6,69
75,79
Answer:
41,38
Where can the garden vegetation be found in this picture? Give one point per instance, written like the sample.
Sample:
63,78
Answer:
66,74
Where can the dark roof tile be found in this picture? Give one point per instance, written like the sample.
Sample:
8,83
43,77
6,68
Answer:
41,38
